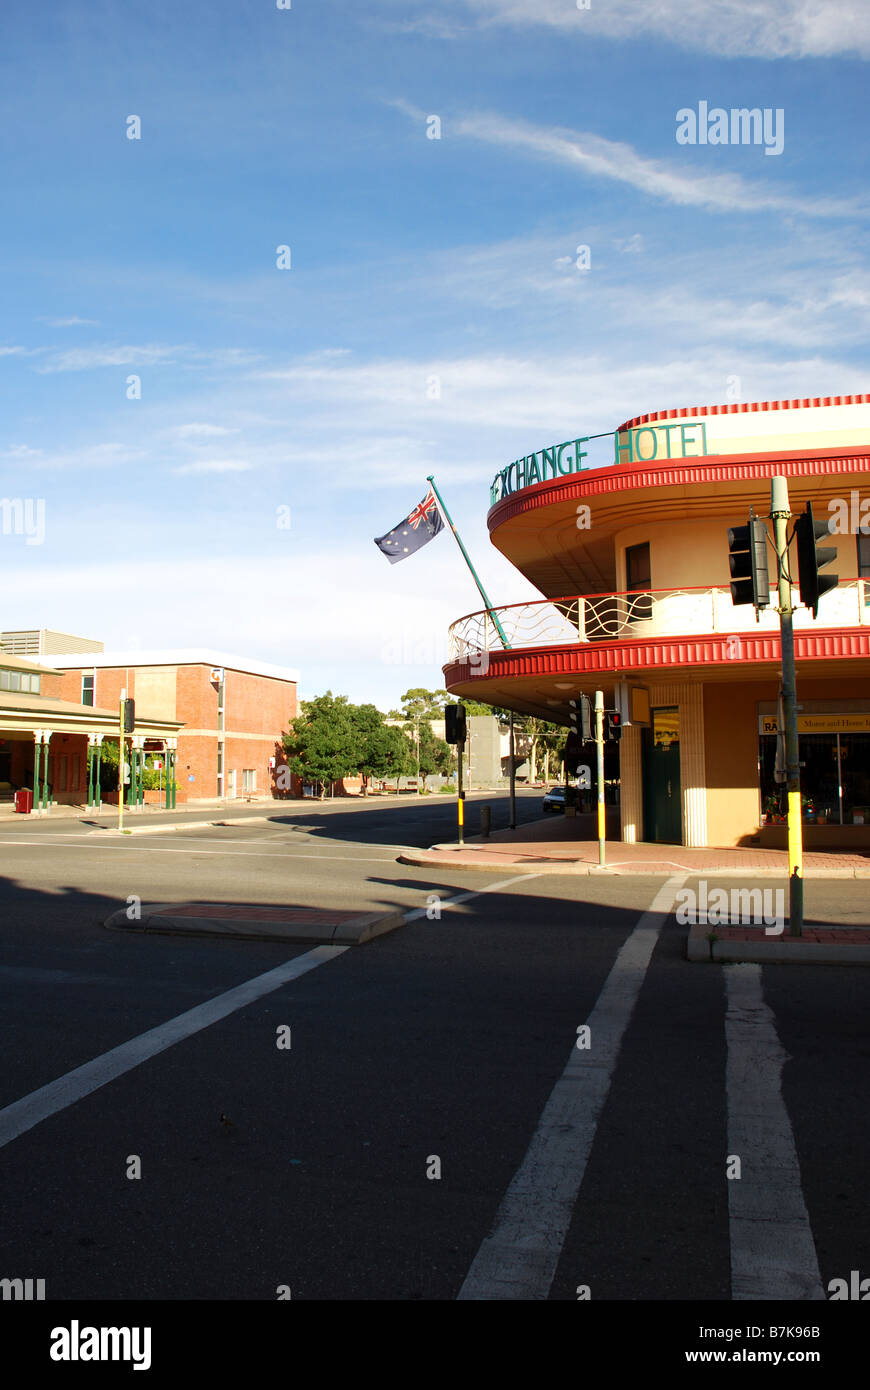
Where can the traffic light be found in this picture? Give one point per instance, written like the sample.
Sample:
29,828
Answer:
812,558
581,718
454,723
747,559
612,726
129,716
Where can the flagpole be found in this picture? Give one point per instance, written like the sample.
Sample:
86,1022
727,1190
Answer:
483,594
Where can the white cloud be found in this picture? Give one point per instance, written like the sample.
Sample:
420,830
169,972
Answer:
84,359
726,28
215,466
147,355
12,351
73,322
686,185
195,430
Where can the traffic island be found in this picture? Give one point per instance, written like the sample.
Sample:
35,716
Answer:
290,925
817,945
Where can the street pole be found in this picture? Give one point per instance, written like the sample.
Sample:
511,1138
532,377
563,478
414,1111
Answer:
460,796
121,742
513,775
599,749
780,513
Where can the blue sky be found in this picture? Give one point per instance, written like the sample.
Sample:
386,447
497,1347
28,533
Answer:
412,259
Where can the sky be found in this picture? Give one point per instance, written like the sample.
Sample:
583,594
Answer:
216,438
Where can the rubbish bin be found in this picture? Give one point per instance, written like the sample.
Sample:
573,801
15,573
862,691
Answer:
24,801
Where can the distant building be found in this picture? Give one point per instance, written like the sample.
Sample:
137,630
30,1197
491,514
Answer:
45,642
232,711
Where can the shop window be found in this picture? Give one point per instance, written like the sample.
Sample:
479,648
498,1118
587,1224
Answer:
249,779
835,780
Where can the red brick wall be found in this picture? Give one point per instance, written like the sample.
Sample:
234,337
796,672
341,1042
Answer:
260,707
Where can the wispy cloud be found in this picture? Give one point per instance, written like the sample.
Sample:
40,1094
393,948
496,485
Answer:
196,430
726,28
146,355
597,157
214,466
73,322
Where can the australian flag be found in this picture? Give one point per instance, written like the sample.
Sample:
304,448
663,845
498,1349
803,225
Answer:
412,533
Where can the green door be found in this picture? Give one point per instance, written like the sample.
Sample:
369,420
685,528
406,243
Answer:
662,791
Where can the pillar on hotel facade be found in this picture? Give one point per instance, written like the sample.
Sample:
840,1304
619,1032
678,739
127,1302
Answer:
631,785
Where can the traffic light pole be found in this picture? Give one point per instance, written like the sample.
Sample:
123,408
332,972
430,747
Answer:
460,795
513,775
779,514
599,750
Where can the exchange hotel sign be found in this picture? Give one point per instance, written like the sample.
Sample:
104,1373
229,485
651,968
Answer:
629,446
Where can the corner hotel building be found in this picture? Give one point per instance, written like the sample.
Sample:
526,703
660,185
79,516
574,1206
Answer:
637,593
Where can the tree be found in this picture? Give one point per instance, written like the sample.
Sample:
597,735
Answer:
376,751
435,754
418,704
322,745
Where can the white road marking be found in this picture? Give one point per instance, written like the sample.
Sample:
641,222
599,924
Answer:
117,845
518,1259
475,893
23,1114
773,1255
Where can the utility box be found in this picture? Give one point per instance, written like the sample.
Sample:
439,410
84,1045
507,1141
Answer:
24,801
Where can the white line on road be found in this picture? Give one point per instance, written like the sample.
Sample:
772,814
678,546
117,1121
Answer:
23,1114
518,1259
773,1255
119,845
476,893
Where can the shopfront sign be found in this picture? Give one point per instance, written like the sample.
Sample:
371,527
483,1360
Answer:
687,439
820,723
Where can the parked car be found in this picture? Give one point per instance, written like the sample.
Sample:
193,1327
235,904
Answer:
555,799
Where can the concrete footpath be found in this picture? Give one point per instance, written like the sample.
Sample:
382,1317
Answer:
566,845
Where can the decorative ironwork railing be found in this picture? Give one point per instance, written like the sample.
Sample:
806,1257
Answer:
651,613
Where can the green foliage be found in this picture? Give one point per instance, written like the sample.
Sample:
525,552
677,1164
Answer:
422,704
323,743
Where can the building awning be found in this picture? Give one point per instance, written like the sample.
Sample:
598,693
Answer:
27,713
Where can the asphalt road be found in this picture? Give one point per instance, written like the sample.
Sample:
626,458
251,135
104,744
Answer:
446,1040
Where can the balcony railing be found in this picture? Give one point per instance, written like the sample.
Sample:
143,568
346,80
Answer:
651,613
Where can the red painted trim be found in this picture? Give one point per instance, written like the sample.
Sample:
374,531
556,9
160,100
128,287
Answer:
740,408
660,653
711,468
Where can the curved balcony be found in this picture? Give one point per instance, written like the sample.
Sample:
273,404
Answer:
611,617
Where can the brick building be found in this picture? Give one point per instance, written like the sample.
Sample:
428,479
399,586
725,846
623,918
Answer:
233,711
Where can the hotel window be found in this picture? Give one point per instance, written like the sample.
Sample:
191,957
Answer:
88,689
864,564
638,581
10,680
